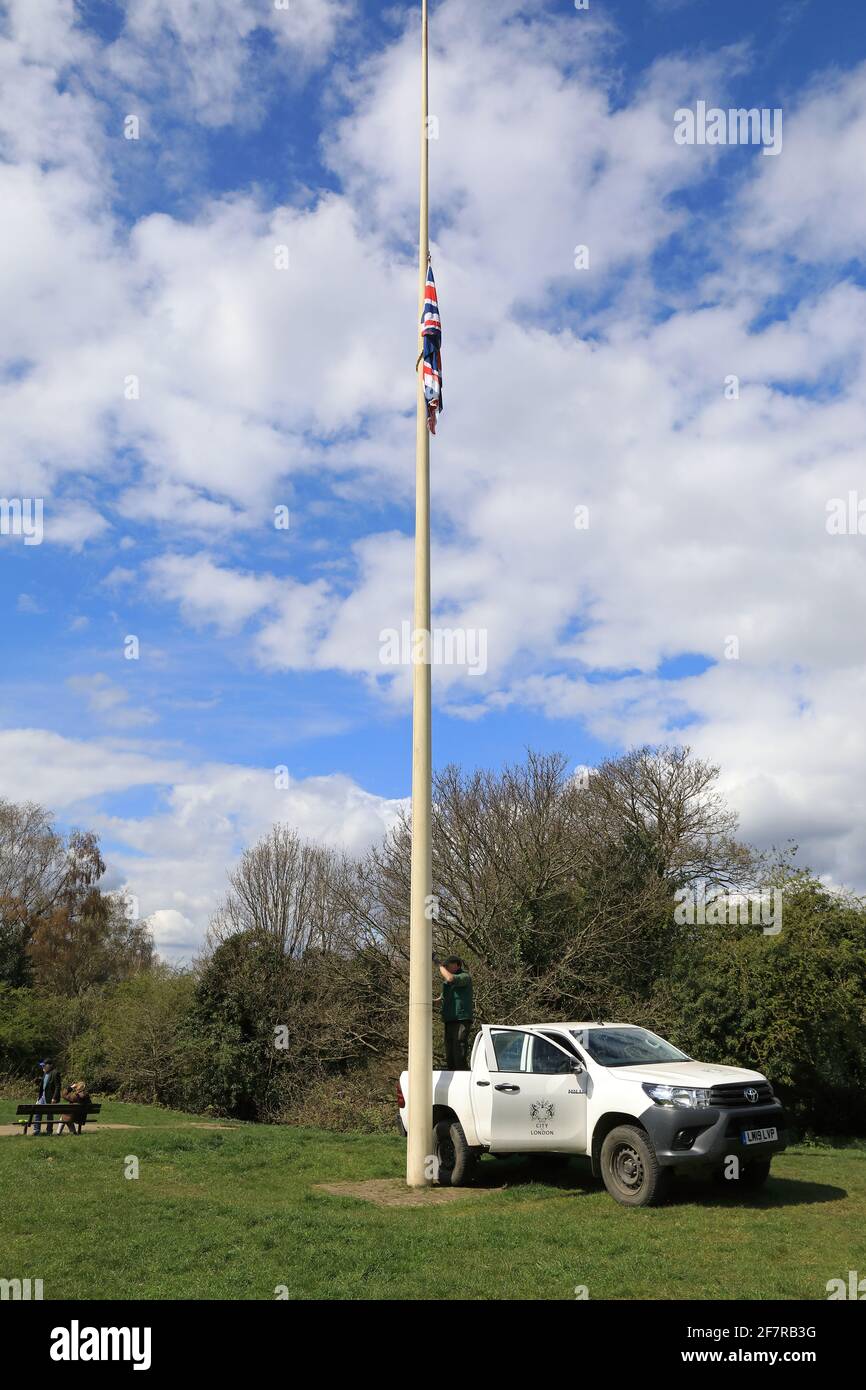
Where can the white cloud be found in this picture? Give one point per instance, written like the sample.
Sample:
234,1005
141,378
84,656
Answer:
200,53
174,861
28,604
59,772
176,937
208,593
707,515
178,505
119,578
72,524
812,203
109,702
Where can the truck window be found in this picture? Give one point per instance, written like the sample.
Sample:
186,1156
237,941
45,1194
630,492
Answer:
547,1059
627,1046
508,1047
565,1042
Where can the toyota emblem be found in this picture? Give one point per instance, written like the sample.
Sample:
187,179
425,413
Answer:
751,1094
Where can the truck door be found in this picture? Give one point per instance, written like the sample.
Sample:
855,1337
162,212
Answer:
538,1103
481,1087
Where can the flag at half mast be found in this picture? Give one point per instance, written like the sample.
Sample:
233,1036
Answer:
431,333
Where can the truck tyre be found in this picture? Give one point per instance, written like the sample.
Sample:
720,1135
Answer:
456,1159
630,1170
754,1175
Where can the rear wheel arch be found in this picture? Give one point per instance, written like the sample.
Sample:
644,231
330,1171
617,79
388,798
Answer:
443,1112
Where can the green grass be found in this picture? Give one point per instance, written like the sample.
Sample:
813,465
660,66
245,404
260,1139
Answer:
233,1214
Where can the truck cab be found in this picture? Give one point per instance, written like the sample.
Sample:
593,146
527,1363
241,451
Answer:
618,1094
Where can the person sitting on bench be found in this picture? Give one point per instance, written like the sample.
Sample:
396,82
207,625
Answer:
78,1094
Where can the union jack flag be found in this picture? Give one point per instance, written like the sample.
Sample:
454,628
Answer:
431,332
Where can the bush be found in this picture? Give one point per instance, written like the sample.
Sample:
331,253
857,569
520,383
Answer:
150,1052
792,1006
359,1100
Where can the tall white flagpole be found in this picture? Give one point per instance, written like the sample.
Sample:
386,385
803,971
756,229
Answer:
420,1119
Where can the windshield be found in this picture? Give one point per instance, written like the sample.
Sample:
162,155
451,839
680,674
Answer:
626,1047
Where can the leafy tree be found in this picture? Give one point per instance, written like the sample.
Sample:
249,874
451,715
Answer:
244,992
28,1029
88,939
792,1005
149,1048
58,930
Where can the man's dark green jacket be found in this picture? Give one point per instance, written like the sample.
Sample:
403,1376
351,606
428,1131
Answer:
51,1087
457,999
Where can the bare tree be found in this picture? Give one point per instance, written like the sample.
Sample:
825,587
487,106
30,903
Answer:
279,889
662,806
32,860
558,893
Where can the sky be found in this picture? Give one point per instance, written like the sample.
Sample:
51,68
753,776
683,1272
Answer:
647,479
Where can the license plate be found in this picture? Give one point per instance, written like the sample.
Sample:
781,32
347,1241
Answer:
759,1136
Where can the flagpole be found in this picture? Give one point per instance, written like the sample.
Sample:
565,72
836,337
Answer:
420,1119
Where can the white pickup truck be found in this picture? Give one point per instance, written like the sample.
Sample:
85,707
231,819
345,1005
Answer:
618,1094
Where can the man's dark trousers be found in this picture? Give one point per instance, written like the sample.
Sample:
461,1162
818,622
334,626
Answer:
457,1044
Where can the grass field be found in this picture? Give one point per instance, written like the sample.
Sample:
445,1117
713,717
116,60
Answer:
232,1213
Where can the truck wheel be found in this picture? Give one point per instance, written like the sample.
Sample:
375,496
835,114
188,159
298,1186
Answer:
630,1170
754,1175
456,1159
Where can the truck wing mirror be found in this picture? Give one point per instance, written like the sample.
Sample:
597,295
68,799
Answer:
577,1068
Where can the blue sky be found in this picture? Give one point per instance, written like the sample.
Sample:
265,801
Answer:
154,259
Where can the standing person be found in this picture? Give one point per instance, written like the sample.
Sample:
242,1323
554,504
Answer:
40,1096
457,1012
51,1090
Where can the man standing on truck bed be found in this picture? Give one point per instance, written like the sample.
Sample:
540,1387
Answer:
456,1012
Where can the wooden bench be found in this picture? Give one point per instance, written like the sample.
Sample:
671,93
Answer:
78,1110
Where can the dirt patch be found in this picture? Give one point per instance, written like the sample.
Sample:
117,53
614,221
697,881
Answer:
393,1192
88,1129
199,1124
95,1125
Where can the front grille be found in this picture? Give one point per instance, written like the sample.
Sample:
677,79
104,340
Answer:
762,1120
734,1093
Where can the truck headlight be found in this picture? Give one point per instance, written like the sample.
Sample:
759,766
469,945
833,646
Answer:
687,1097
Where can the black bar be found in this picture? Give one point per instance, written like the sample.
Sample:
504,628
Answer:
819,1335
